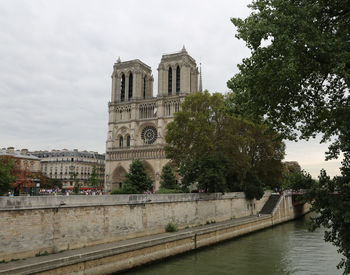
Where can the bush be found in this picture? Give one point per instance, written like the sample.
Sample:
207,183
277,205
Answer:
117,191
168,191
171,227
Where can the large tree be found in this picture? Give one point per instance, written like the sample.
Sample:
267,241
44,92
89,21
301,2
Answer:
93,180
297,78
137,180
6,178
167,178
216,150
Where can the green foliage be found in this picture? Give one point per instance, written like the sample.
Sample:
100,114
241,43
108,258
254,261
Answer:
48,183
6,164
171,227
168,191
299,180
76,187
330,199
137,180
93,179
253,188
215,149
117,191
298,78
167,178
298,73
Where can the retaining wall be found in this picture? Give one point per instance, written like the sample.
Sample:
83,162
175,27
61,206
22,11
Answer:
31,225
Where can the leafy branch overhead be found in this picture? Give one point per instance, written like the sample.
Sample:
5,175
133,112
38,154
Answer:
297,79
216,150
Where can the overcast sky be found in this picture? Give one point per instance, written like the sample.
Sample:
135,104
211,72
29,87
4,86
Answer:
56,59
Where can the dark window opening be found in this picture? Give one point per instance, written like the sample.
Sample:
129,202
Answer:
170,81
121,142
177,80
128,141
130,86
144,87
122,89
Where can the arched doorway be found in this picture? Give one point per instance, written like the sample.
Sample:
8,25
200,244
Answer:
118,177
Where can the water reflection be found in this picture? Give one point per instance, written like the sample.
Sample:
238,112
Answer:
284,249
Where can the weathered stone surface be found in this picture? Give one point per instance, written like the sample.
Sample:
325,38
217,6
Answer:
29,225
121,255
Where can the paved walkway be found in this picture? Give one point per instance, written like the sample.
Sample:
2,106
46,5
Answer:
92,252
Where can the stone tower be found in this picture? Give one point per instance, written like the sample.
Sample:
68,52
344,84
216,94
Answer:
137,120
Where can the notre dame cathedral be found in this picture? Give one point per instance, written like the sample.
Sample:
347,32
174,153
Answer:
137,120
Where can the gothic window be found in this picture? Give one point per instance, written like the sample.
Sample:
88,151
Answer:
177,80
122,88
130,86
121,142
128,141
176,107
170,81
144,87
168,109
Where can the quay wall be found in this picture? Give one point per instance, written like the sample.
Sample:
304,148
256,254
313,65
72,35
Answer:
123,255
33,225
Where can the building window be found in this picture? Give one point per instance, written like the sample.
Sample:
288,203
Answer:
170,80
130,86
121,142
177,80
128,141
122,88
144,87
176,107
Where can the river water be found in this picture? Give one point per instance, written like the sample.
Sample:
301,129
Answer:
284,249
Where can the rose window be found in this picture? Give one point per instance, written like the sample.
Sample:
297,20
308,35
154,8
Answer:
149,134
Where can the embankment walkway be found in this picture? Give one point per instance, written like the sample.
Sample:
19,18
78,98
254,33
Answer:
122,255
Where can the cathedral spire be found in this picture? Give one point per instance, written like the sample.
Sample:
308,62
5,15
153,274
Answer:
200,77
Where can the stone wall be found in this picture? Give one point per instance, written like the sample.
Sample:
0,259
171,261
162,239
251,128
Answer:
29,225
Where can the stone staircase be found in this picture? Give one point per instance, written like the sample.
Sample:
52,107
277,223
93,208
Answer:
270,204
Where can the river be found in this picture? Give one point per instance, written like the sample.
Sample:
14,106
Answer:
284,249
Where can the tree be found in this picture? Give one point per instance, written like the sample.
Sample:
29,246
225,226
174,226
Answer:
6,179
93,179
76,187
167,178
46,182
215,149
299,180
297,78
137,180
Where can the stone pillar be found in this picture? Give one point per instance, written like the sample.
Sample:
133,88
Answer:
160,80
138,84
127,87
117,88
185,79
173,88
113,93
149,87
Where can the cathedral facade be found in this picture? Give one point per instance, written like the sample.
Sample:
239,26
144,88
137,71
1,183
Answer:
137,120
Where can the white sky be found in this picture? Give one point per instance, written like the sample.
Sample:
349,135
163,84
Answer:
56,58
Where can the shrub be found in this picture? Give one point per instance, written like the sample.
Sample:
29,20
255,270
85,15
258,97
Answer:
171,227
117,191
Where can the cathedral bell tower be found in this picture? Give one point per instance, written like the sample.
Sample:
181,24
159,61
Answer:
137,120
131,80
177,74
